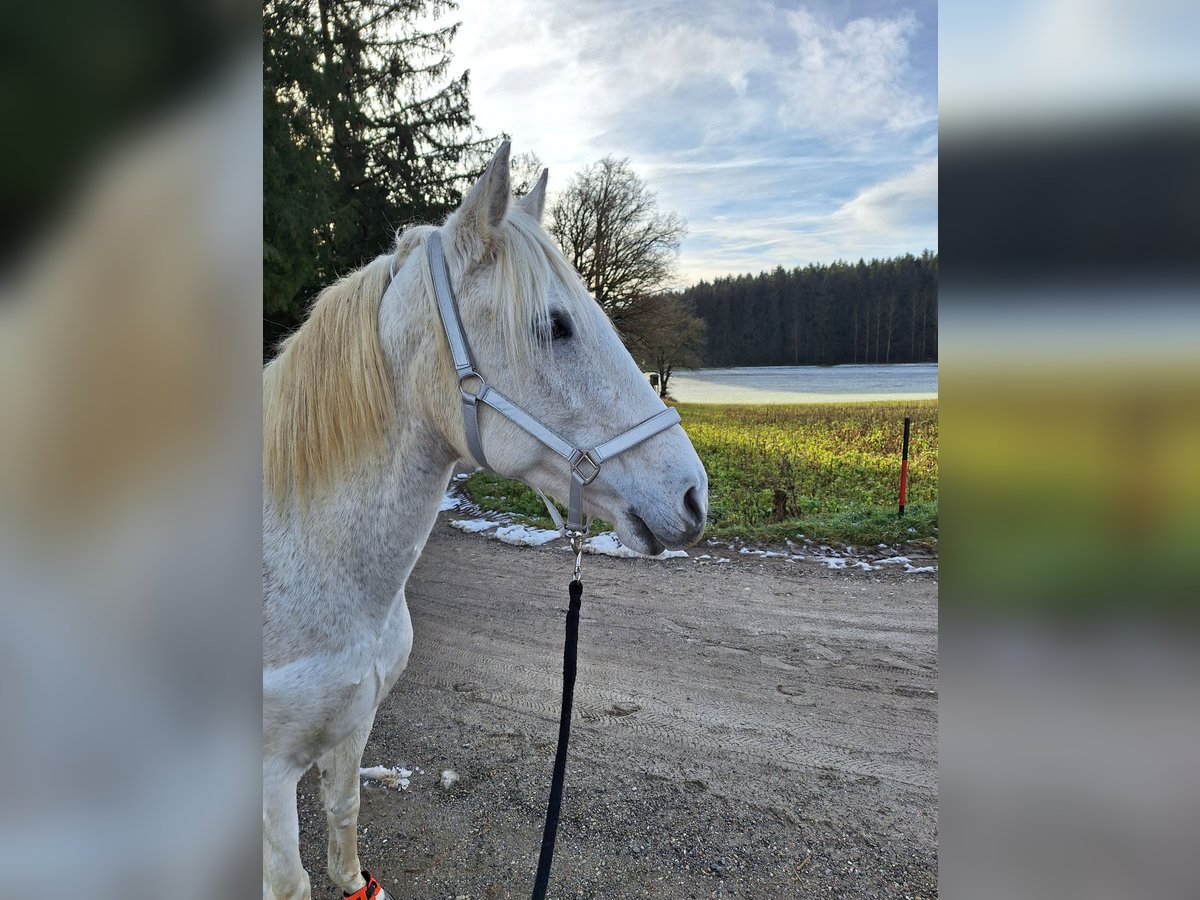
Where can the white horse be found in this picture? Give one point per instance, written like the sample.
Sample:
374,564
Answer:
363,426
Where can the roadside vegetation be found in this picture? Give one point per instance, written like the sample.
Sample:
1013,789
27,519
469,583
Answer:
825,471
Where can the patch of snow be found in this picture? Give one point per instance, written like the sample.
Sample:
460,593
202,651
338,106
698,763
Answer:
893,561
449,776
607,544
832,562
763,554
393,778
703,556
917,570
473,526
723,559
448,502
525,536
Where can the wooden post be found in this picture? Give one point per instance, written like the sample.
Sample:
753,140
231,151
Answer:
904,467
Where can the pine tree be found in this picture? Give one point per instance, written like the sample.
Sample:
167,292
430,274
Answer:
365,131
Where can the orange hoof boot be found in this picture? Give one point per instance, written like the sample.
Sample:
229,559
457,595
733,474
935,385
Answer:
372,890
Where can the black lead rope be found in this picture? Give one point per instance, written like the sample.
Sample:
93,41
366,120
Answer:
570,652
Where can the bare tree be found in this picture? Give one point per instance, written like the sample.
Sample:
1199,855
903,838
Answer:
665,335
608,224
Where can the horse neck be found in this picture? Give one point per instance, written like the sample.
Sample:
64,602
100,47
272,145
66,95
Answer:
395,508
392,507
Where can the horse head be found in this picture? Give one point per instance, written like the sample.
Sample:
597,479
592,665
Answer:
539,337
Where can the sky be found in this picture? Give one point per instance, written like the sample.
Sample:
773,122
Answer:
784,133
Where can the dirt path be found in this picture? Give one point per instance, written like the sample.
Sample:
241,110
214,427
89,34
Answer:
754,729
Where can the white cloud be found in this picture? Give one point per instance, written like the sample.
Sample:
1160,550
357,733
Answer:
570,84
564,91
896,202
528,83
850,81
669,57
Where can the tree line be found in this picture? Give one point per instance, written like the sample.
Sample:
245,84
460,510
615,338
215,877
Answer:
882,311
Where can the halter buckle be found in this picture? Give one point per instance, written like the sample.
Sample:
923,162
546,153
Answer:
580,458
468,394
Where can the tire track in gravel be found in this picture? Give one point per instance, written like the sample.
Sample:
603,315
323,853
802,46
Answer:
535,691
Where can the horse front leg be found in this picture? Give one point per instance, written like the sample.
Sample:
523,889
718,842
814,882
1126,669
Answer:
340,791
284,877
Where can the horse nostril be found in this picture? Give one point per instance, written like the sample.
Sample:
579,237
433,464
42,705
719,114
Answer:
691,502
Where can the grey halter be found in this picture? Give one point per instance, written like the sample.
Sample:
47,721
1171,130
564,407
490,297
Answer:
585,463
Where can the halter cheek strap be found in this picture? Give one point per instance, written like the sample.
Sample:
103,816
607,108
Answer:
584,463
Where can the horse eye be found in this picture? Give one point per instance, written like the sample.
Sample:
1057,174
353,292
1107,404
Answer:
560,327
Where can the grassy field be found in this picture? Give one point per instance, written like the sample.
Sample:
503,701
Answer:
836,466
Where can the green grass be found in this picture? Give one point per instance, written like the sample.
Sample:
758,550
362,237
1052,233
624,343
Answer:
836,464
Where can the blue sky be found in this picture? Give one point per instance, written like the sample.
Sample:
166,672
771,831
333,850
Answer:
783,133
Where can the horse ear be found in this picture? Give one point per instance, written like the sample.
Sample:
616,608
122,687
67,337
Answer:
535,201
487,201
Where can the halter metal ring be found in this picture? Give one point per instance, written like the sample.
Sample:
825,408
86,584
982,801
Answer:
582,458
468,394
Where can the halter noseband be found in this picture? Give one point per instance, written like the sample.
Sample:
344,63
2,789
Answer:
585,463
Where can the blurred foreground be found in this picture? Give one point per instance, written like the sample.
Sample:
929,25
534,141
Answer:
129,454
1070,388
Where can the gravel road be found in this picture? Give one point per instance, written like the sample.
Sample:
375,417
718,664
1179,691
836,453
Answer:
758,729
